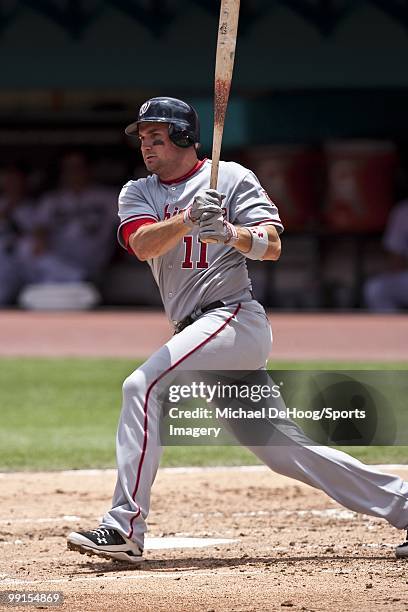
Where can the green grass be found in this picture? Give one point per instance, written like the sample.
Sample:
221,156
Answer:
63,413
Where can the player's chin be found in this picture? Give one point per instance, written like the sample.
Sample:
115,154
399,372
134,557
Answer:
152,163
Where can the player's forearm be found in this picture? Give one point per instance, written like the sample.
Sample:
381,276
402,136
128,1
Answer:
155,239
244,242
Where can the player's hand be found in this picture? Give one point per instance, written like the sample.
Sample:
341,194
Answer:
214,228
207,200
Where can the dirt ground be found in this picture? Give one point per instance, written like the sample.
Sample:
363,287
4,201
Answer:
291,546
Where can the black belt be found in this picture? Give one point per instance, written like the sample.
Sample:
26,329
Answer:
197,312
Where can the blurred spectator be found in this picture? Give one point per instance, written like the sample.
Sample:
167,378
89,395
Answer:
388,292
17,211
75,232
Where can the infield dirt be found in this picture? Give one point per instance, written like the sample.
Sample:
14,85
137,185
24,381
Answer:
291,547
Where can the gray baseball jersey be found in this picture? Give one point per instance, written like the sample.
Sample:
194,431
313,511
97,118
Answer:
195,273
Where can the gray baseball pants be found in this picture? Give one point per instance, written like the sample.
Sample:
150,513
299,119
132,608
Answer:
236,337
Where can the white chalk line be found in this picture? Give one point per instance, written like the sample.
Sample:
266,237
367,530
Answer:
186,470
223,468
335,513
165,470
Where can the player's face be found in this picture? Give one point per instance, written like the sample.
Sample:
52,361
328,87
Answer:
160,154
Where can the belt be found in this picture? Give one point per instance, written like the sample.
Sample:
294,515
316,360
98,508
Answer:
197,312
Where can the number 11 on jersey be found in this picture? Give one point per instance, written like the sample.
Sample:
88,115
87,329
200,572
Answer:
188,252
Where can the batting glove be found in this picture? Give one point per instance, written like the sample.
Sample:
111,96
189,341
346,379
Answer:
208,200
214,228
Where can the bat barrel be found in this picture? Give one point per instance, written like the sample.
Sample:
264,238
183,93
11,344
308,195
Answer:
224,65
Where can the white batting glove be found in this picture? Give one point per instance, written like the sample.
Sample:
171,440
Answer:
214,228
207,200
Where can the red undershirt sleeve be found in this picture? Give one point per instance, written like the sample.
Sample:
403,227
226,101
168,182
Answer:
129,228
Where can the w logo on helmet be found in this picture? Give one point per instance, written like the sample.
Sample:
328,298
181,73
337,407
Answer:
144,108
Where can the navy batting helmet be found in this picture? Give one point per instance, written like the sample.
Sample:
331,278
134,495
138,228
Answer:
184,126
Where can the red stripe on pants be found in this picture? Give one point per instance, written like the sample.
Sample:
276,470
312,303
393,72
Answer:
145,407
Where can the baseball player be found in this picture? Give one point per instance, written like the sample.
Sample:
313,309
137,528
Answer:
206,292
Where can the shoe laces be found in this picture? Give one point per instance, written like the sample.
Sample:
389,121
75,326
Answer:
102,531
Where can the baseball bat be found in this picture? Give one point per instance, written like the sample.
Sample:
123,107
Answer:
224,65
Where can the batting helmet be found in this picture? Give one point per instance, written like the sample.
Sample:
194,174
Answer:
184,126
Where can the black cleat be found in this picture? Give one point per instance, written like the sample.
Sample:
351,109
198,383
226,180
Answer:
104,542
401,552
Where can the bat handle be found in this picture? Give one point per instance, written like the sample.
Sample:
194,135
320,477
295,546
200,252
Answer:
216,149
214,174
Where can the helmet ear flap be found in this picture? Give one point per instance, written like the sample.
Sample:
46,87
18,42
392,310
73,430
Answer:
180,137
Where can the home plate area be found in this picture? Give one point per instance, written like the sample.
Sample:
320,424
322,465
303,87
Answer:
219,539
172,543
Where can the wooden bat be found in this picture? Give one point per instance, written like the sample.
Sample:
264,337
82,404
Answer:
224,65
